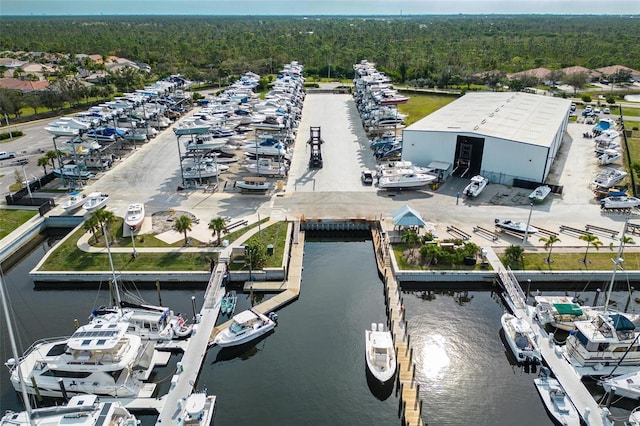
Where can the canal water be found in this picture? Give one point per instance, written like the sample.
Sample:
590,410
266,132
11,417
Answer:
311,369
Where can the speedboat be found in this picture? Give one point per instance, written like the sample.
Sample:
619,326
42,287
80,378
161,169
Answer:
521,339
134,216
411,180
609,156
556,400
621,202
71,122
626,385
74,202
205,142
476,186
202,170
108,134
81,410
519,227
245,327
198,410
560,312
191,128
609,177
72,171
266,167
97,359
538,195
62,131
95,201
380,353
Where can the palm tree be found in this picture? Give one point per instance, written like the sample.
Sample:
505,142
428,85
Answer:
412,238
183,224
52,156
592,240
91,224
626,240
43,162
218,225
548,244
104,219
513,254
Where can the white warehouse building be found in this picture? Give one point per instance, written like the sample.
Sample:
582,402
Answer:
504,136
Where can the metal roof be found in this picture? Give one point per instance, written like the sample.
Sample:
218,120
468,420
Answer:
521,117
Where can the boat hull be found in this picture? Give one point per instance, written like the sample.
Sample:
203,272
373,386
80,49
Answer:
556,402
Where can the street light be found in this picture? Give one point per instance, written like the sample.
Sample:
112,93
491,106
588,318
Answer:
247,252
526,230
134,254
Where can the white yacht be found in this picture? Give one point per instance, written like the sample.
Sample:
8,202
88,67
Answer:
81,410
621,202
95,201
134,216
245,327
476,186
609,177
198,410
75,201
521,339
626,385
98,359
266,167
380,353
411,180
609,156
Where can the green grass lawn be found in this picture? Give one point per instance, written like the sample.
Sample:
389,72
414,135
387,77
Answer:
403,264
597,260
275,234
421,105
12,219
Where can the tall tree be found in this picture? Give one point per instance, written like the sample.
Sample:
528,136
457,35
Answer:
548,244
43,162
218,225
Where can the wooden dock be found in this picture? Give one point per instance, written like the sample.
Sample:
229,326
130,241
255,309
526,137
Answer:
410,406
587,407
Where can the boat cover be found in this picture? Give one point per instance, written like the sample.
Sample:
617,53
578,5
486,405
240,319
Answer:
622,323
568,309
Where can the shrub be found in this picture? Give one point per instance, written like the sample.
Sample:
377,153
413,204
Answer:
611,99
586,98
14,134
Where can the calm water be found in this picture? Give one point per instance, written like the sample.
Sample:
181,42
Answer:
311,370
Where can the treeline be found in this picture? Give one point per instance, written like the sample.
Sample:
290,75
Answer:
407,48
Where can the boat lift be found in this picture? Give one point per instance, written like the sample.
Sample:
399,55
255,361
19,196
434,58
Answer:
315,141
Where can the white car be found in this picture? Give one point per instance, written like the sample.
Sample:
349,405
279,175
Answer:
596,110
588,108
606,111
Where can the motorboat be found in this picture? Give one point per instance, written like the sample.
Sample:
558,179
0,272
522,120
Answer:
71,122
107,134
75,201
621,202
609,177
72,171
202,169
626,385
135,216
95,201
98,359
253,184
608,156
62,131
267,167
198,410
539,194
269,147
560,312
519,227
380,353
521,339
410,180
81,410
476,186
228,302
604,145
191,128
245,327
608,339
205,142
556,400
604,124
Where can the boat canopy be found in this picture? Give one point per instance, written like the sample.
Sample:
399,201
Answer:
568,309
245,317
622,323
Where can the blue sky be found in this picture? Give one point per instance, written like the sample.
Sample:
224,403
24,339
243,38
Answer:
315,7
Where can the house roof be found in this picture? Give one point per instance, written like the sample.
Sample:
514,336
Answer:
613,69
23,85
520,117
540,73
406,216
577,68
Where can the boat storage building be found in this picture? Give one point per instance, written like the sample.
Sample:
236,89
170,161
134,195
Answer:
506,137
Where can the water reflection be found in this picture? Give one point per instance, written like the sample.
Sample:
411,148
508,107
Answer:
436,361
242,352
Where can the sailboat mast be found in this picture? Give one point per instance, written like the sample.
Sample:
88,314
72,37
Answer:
113,270
14,350
618,260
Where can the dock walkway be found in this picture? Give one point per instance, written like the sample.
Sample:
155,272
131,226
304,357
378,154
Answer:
589,410
410,403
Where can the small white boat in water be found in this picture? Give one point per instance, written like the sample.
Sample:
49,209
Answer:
135,216
411,180
95,201
538,195
556,400
521,339
245,327
626,385
380,353
81,410
198,410
75,201
476,186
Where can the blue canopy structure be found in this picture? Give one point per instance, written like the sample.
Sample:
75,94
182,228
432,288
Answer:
407,217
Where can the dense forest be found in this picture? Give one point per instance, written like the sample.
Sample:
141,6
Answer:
406,48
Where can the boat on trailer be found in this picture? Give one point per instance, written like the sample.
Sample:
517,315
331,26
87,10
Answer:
476,186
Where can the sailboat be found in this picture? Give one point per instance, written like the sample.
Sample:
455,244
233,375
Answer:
150,322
